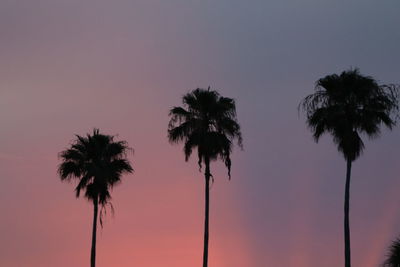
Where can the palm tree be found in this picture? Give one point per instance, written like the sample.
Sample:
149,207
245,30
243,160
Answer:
97,162
207,121
393,259
346,106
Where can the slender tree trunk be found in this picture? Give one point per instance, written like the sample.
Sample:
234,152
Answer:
347,254
93,251
207,175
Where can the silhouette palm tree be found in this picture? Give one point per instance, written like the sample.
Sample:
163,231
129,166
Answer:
346,106
97,162
393,257
207,121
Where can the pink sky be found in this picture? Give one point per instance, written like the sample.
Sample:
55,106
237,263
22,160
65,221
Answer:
69,66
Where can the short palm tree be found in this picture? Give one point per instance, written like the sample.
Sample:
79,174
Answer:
346,106
206,122
97,161
393,257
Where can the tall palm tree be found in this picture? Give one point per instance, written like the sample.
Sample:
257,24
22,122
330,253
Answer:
97,162
393,257
347,106
207,121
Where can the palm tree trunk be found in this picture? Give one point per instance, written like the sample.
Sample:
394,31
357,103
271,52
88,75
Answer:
93,251
207,200
346,217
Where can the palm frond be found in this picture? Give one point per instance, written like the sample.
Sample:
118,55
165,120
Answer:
180,132
69,170
393,256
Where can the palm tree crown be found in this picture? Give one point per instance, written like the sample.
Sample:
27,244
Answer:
98,162
393,259
207,121
347,105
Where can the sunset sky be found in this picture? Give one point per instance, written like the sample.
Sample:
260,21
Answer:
67,66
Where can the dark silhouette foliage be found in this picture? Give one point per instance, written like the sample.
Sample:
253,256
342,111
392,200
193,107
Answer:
207,121
393,257
348,105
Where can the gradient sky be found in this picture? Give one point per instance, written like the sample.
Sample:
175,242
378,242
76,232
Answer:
67,66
